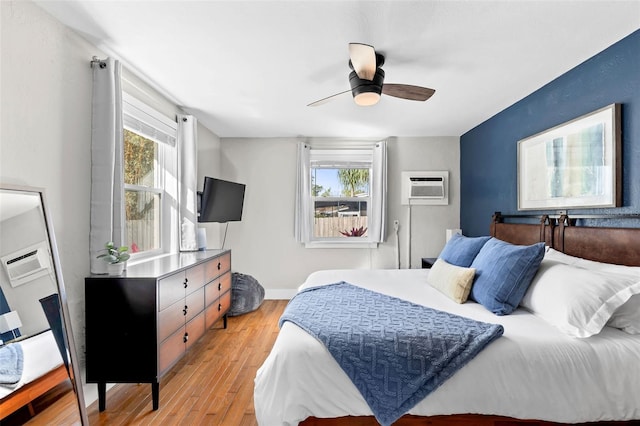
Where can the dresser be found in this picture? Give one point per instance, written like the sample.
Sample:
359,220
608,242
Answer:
139,324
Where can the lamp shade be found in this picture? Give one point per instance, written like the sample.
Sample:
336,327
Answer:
9,321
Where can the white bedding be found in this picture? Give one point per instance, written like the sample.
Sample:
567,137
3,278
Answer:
41,355
533,371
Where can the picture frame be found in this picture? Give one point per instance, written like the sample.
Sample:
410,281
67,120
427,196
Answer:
576,164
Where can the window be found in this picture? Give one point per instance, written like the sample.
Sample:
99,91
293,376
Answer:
149,162
341,196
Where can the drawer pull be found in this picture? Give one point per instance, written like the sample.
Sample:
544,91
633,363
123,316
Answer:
219,266
186,281
219,307
219,286
185,338
184,311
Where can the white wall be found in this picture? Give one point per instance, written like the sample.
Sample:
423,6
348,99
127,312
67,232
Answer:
263,243
45,130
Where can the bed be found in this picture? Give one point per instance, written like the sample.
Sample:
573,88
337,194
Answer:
43,369
537,371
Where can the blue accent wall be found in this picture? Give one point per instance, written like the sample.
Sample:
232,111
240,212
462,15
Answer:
488,152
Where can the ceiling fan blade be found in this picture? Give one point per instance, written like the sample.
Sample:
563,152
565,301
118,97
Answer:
329,98
407,91
363,60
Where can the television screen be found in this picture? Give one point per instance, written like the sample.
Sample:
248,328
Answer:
221,201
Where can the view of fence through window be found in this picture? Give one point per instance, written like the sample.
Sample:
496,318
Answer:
142,193
340,200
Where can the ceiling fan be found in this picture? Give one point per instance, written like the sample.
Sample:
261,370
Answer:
367,80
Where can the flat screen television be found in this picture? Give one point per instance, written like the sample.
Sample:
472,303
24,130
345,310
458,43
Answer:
220,201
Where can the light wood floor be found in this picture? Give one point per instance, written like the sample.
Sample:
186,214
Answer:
211,385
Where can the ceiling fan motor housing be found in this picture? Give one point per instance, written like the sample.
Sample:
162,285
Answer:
366,92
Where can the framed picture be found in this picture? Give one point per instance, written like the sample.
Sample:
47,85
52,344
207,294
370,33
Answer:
574,165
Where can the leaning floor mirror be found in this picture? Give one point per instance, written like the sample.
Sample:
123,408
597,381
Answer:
39,373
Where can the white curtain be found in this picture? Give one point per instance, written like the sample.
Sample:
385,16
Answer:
188,186
377,229
303,185
107,173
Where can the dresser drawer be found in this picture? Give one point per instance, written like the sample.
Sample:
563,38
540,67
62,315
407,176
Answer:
216,310
195,278
218,266
195,329
194,303
215,288
171,350
170,289
171,319
225,302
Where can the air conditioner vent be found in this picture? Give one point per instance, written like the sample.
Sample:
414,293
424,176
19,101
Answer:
423,188
27,264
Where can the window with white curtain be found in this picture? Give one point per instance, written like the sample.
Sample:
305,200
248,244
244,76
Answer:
341,195
149,176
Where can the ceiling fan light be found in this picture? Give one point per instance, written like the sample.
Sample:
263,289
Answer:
366,92
366,98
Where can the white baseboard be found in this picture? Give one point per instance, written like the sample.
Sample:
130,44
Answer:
279,293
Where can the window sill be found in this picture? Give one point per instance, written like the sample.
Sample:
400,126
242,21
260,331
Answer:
340,245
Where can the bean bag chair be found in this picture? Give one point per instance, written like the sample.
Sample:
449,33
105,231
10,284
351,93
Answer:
246,294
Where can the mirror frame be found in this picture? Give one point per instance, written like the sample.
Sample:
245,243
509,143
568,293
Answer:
76,380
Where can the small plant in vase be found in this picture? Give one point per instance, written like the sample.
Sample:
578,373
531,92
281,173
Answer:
115,257
354,232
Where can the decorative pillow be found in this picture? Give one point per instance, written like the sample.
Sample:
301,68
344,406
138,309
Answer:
627,317
461,250
577,301
503,274
453,281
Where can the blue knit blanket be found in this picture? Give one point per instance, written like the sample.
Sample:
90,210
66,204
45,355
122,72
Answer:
11,363
395,352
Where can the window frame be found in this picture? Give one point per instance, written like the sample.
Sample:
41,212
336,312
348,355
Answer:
347,156
165,137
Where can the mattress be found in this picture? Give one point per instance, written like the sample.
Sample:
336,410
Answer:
41,355
533,371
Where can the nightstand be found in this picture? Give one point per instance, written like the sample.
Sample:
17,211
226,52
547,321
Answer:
427,262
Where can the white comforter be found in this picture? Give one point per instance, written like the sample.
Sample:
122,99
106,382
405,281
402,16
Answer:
533,371
41,355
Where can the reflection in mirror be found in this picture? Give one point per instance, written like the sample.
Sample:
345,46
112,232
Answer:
38,365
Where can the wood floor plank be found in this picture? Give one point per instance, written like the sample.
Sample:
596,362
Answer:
211,385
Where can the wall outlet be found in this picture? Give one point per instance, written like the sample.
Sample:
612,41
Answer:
396,224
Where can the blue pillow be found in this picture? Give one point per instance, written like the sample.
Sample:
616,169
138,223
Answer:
461,250
503,274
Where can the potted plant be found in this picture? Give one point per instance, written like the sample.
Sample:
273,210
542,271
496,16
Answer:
354,232
116,257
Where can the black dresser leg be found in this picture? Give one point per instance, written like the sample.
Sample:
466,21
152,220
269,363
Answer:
102,396
224,320
155,394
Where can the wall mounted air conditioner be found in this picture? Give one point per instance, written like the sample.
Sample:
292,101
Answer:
27,264
425,188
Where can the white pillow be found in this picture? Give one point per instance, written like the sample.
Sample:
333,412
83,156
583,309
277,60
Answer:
627,317
451,280
552,254
577,301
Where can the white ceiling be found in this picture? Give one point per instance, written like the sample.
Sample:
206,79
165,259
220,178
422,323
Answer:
249,68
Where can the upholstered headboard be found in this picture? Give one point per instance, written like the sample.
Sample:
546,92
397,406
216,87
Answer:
611,245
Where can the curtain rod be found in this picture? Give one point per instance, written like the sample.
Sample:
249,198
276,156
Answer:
100,62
